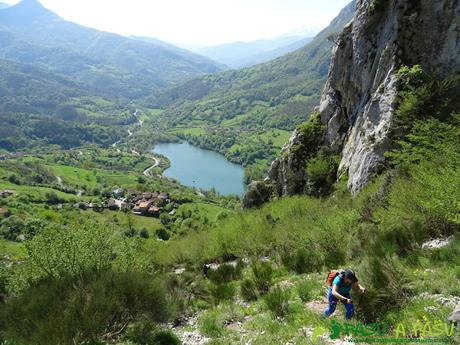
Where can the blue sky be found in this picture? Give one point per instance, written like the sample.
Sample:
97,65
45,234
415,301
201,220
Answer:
199,22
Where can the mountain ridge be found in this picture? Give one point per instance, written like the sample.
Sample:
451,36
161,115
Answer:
42,36
246,54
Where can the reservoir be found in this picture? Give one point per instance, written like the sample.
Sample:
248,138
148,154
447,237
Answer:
203,169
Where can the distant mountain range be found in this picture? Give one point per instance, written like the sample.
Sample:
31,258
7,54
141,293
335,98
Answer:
245,54
114,65
277,94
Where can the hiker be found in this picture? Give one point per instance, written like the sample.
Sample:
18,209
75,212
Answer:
340,284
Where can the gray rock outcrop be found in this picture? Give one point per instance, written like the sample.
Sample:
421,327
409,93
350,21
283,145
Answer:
360,95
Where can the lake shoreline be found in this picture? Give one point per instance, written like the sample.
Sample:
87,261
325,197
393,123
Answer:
204,169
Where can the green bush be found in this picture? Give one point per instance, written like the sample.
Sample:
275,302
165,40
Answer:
277,301
147,333
211,324
421,97
226,273
387,286
71,310
307,291
263,276
321,174
165,337
144,233
222,292
248,290
303,260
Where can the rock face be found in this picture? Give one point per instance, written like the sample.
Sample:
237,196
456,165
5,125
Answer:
359,98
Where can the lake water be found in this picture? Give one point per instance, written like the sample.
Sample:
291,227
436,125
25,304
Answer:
195,167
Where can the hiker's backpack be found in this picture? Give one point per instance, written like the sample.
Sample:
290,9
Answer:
332,274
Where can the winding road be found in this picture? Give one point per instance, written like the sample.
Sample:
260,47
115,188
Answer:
148,170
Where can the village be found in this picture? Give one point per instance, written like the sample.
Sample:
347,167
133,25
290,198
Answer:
148,204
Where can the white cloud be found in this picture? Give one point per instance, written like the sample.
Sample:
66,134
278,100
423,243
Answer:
201,22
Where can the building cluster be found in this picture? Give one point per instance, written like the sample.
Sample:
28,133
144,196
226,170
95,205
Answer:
150,204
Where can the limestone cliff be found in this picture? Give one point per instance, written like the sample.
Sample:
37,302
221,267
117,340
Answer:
359,98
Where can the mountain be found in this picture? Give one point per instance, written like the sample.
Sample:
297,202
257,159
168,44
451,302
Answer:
277,94
38,107
245,54
30,89
113,64
374,93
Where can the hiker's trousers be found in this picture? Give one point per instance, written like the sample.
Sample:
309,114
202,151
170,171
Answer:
349,307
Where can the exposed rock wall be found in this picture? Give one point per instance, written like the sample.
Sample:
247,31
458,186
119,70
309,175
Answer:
359,98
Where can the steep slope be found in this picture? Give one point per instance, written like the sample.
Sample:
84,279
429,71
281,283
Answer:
355,119
30,33
29,89
245,54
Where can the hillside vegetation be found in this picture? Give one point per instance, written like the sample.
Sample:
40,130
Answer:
282,251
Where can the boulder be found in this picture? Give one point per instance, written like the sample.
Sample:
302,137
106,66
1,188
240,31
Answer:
258,193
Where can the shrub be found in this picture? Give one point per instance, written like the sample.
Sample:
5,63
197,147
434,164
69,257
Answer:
147,333
248,290
263,276
307,291
141,332
421,97
163,234
387,287
165,337
144,233
303,260
222,292
52,198
211,324
312,137
71,310
11,228
226,273
321,174
130,233
277,301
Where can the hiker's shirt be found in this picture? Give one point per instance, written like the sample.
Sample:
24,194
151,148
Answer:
342,288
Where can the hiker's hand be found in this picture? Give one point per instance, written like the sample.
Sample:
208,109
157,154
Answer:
349,301
363,290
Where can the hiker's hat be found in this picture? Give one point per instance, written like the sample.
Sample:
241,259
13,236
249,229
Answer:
350,274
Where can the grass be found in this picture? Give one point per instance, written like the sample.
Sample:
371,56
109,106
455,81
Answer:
195,131
14,250
39,192
209,210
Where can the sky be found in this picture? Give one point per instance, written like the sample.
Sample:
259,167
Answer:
199,22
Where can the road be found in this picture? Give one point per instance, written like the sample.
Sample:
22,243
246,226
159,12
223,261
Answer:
148,170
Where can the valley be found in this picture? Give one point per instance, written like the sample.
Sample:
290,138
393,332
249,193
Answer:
150,195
